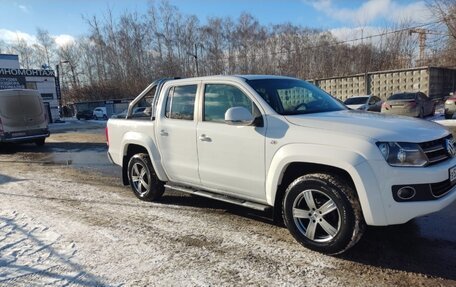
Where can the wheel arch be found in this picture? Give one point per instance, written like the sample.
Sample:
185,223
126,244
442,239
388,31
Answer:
296,169
293,161
137,143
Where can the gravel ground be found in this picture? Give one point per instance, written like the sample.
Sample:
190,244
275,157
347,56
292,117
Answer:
66,220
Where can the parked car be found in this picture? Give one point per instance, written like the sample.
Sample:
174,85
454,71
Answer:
123,114
85,114
22,117
450,106
283,145
415,104
100,113
364,103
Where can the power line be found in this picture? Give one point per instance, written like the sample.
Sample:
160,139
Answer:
362,38
310,47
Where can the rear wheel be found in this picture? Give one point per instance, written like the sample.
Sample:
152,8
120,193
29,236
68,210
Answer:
40,142
322,213
143,180
448,116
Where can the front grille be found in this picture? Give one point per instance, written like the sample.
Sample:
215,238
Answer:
441,188
435,150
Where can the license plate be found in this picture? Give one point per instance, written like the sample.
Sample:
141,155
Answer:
452,172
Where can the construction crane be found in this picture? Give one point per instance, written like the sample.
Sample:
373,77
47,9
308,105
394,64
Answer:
422,39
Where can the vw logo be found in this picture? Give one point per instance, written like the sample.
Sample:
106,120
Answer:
449,145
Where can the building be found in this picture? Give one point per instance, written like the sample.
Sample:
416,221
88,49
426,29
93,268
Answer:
44,80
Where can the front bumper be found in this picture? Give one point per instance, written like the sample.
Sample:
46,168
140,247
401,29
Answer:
397,211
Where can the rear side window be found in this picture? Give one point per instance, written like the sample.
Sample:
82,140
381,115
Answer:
403,97
180,103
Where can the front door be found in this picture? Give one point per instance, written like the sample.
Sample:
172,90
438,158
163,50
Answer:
231,158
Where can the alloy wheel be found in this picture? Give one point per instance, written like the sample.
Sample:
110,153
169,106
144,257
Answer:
316,215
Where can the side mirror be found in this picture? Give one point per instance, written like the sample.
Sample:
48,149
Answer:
238,116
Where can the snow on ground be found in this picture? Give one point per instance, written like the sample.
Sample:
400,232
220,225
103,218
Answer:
30,252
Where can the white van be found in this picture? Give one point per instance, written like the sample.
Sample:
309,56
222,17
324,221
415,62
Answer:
22,117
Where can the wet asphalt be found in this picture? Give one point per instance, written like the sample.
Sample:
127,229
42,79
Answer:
425,245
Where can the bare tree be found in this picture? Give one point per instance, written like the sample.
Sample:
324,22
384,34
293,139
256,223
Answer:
45,46
25,52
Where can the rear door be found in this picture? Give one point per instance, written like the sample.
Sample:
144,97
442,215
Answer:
21,111
33,111
176,134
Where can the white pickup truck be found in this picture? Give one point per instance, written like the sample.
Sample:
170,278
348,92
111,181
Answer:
281,144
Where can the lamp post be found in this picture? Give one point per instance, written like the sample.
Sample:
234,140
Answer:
57,84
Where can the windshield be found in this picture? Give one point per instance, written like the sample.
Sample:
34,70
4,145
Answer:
356,101
402,97
294,97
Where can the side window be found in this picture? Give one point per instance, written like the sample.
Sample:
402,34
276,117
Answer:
181,102
372,101
143,109
218,98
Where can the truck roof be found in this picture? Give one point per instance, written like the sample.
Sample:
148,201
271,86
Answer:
236,77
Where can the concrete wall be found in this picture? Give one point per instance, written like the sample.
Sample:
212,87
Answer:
435,82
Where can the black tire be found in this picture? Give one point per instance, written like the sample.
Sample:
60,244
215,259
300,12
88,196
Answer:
79,118
40,142
143,180
448,116
332,232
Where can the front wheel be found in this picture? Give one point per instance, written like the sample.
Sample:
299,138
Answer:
143,180
322,213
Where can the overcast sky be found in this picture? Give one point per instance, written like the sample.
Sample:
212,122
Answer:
64,19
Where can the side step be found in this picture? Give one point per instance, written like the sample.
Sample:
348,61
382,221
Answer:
224,198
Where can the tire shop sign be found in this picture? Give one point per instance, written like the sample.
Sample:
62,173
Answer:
15,78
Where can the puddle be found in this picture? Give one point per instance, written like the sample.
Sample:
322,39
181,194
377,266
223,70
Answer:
92,160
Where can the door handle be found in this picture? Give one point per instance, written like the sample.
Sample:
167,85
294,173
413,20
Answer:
164,133
205,138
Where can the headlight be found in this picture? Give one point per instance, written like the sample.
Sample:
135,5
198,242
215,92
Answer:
402,154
